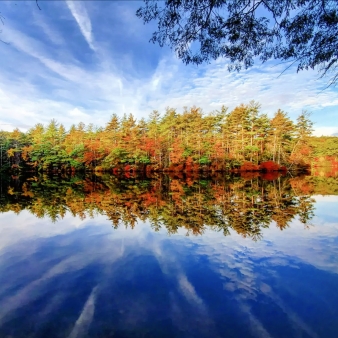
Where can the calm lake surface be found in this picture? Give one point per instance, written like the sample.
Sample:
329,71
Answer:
169,256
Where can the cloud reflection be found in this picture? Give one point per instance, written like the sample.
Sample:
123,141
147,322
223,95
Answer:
133,281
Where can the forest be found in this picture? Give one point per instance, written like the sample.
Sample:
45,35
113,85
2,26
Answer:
242,139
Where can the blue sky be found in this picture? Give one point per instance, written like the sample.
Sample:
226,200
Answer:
84,60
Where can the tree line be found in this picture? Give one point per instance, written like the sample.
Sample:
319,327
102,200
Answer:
220,140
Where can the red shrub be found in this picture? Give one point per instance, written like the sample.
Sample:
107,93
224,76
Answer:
269,166
249,166
149,168
179,168
247,175
270,176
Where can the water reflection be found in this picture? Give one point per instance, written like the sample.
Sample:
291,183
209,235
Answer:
78,277
244,204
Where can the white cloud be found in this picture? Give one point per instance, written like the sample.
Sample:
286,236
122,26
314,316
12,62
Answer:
80,14
83,322
320,131
70,86
76,112
99,92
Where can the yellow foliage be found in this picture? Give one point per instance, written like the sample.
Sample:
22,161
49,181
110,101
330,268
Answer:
10,152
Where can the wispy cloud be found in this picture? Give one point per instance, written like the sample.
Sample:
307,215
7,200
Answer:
81,16
83,322
48,75
46,27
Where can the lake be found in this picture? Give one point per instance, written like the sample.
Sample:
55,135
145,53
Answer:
168,256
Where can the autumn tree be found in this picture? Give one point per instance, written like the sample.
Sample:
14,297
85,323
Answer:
17,140
4,147
303,131
154,134
111,131
168,132
281,136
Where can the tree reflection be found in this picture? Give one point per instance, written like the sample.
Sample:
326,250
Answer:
244,204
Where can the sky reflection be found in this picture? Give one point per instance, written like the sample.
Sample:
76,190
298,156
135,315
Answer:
79,278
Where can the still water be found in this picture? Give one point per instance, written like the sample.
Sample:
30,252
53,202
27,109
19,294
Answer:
168,257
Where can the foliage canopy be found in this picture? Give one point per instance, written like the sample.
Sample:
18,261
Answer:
302,32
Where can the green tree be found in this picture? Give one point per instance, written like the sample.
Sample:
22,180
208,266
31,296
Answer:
111,132
303,130
281,136
154,133
4,147
168,131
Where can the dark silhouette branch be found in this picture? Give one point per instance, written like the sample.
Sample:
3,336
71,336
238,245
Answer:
302,32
